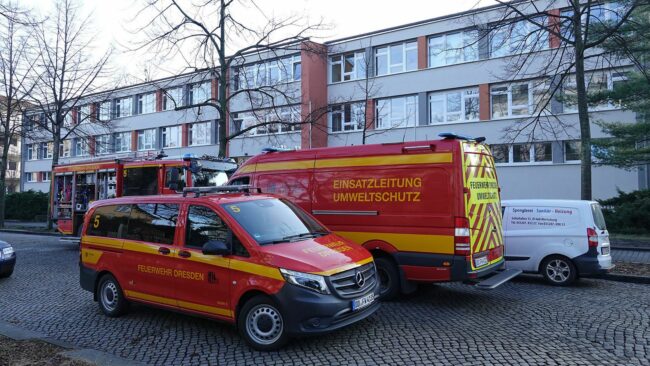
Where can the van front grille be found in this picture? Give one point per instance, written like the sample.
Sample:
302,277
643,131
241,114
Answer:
346,284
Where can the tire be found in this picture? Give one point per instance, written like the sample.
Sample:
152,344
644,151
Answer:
7,274
389,281
110,297
261,324
558,270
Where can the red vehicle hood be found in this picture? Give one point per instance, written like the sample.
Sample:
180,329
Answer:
326,255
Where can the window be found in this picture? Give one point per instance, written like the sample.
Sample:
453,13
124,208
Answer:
146,103
123,142
396,58
595,82
347,117
601,17
153,223
67,119
30,177
123,107
518,37
173,98
268,121
572,151
501,153
453,106
171,136
350,66
12,165
140,181
200,92
397,112
179,173
268,73
203,225
147,139
453,48
105,111
47,150
45,176
521,153
543,152
81,147
64,148
103,144
519,99
109,221
32,152
200,133
84,113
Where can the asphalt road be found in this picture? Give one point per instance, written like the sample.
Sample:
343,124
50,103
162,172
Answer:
521,322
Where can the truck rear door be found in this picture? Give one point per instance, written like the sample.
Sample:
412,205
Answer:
482,205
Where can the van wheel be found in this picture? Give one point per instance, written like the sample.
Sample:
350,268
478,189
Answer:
110,296
558,270
261,324
388,278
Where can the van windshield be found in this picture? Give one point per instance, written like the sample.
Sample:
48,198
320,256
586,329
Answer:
273,221
599,219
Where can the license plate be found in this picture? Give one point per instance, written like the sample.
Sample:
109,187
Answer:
605,250
363,302
480,261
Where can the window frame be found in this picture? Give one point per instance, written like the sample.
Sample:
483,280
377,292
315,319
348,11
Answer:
531,85
463,104
101,147
464,34
207,135
358,72
118,140
169,101
389,114
385,50
611,78
142,102
357,110
168,131
143,135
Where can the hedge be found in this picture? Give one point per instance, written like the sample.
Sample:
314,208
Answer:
26,206
628,213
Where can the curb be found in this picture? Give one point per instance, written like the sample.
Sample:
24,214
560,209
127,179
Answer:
627,278
16,231
98,358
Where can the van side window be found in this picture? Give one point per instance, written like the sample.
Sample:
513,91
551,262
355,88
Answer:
203,224
241,181
153,222
109,221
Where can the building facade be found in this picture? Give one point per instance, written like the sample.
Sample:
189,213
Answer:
12,179
405,83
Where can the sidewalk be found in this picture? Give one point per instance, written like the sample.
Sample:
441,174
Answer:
29,227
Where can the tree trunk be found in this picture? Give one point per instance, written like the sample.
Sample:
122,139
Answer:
55,161
223,84
3,179
583,111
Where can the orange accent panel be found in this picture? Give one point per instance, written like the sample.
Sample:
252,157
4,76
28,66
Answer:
370,114
314,95
159,100
134,140
484,102
184,135
554,25
422,52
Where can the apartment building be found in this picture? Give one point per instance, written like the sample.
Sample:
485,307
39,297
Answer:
406,83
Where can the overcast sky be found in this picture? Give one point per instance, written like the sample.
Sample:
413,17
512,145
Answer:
113,18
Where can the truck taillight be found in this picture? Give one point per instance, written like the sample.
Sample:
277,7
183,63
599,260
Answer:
461,236
592,237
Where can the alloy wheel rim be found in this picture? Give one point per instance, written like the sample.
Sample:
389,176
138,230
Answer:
558,270
264,324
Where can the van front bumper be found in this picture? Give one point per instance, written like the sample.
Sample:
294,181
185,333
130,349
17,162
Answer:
308,312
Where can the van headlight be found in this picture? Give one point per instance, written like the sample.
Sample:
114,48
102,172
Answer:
307,280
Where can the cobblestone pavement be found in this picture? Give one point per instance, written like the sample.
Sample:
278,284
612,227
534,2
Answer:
521,322
631,256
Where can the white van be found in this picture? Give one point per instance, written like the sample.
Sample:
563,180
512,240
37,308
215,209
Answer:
560,239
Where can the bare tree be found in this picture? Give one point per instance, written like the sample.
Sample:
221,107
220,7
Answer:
550,47
69,69
16,81
214,35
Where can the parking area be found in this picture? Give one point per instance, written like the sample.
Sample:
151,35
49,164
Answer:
523,322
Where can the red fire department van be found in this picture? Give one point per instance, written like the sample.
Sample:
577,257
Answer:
428,211
76,185
256,260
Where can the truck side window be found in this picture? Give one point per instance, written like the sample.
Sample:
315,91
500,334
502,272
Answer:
203,225
153,222
241,181
140,181
109,221
180,172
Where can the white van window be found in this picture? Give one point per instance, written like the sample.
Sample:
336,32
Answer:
541,218
599,219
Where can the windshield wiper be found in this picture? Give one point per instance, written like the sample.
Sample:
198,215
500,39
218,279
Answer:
296,237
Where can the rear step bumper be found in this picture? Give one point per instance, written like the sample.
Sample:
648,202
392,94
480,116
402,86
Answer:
499,278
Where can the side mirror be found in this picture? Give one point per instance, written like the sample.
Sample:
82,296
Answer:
216,247
174,177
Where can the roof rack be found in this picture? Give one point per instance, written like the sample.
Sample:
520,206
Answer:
221,189
453,136
276,149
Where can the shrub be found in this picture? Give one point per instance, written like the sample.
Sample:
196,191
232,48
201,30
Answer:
26,206
628,213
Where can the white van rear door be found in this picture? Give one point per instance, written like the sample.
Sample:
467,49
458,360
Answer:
601,229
